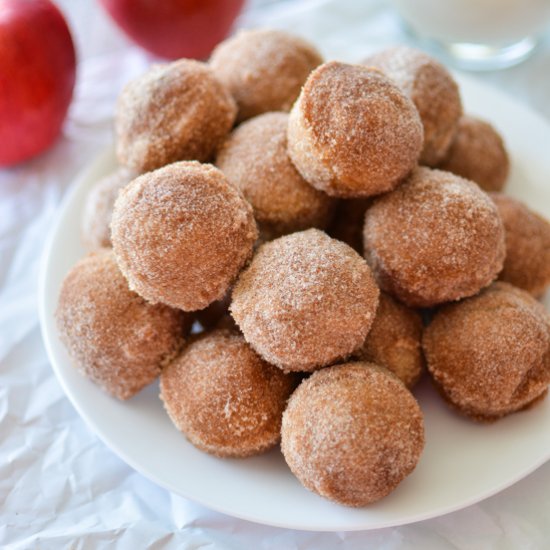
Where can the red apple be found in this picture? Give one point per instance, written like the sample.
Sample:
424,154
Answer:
175,28
37,75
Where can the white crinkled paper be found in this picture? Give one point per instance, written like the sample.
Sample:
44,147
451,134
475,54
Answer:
60,487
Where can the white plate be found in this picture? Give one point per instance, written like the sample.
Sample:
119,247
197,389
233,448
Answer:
463,462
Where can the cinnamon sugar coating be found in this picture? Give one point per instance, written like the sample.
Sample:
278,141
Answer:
224,397
353,132
478,153
181,234
433,91
435,239
348,221
490,355
175,111
305,301
255,159
264,69
351,433
98,209
395,340
527,262
114,337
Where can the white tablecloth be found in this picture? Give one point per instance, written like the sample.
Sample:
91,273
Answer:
60,487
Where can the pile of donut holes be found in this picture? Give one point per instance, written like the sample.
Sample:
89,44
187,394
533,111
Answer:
329,230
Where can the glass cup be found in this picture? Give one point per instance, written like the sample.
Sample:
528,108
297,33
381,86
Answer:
477,34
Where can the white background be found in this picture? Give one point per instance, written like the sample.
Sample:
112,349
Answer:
60,487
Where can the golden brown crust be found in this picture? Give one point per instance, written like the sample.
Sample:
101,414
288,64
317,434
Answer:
435,239
490,354
254,158
224,397
478,153
264,69
351,433
98,209
352,132
181,234
527,262
433,91
305,301
395,340
175,111
114,337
